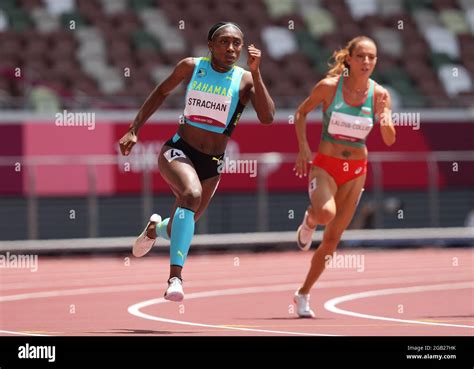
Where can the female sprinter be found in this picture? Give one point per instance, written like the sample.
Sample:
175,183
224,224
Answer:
216,94
352,103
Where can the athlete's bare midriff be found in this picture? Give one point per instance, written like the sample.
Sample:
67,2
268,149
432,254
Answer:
341,151
208,142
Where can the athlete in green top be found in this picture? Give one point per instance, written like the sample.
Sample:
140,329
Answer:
352,104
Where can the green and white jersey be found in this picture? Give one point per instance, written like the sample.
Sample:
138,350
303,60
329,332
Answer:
347,124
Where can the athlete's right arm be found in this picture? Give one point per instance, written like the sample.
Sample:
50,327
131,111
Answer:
321,92
182,71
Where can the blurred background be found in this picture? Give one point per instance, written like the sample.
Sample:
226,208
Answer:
101,58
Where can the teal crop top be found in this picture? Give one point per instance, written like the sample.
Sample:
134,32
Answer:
212,98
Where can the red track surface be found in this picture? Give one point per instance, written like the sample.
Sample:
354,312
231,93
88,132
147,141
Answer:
242,294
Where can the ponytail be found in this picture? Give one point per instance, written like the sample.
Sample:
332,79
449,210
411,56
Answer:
339,64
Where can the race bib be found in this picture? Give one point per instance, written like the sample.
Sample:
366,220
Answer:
311,186
348,127
173,154
204,107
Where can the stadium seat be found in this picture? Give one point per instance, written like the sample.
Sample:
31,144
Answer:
111,80
413,6
470,19
322,67
45,22
144,40
19,20
308,45
160,73
388,41
454,20
302,6
278,8
8,5
349,29
361,8
416,69
144,35
440,5
3,21
333,41
319,22
425,18
399,80
455,79
393,7
44,99
279,41
114,7
439,59
55,7
466,4
138,5
75,17
173,42
442,40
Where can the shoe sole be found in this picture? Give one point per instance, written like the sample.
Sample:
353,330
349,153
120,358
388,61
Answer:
142,246
305,316
174,296
302,247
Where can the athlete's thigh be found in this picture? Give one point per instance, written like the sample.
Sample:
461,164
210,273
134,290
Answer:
209,187
322,189
177,170
347,198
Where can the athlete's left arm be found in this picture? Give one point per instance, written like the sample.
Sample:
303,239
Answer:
383,112
261,100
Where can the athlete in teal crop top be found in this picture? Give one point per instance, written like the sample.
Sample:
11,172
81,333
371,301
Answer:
212,98
216,94
339,169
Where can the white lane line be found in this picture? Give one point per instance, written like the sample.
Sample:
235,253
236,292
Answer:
24,334
153,286
331,305
135,309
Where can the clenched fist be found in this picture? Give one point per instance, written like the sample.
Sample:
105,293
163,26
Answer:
254,58
127,142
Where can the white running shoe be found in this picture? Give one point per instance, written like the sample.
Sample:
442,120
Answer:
175,290
304,234
143,243
302,306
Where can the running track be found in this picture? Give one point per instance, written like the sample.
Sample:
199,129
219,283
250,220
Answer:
402,292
